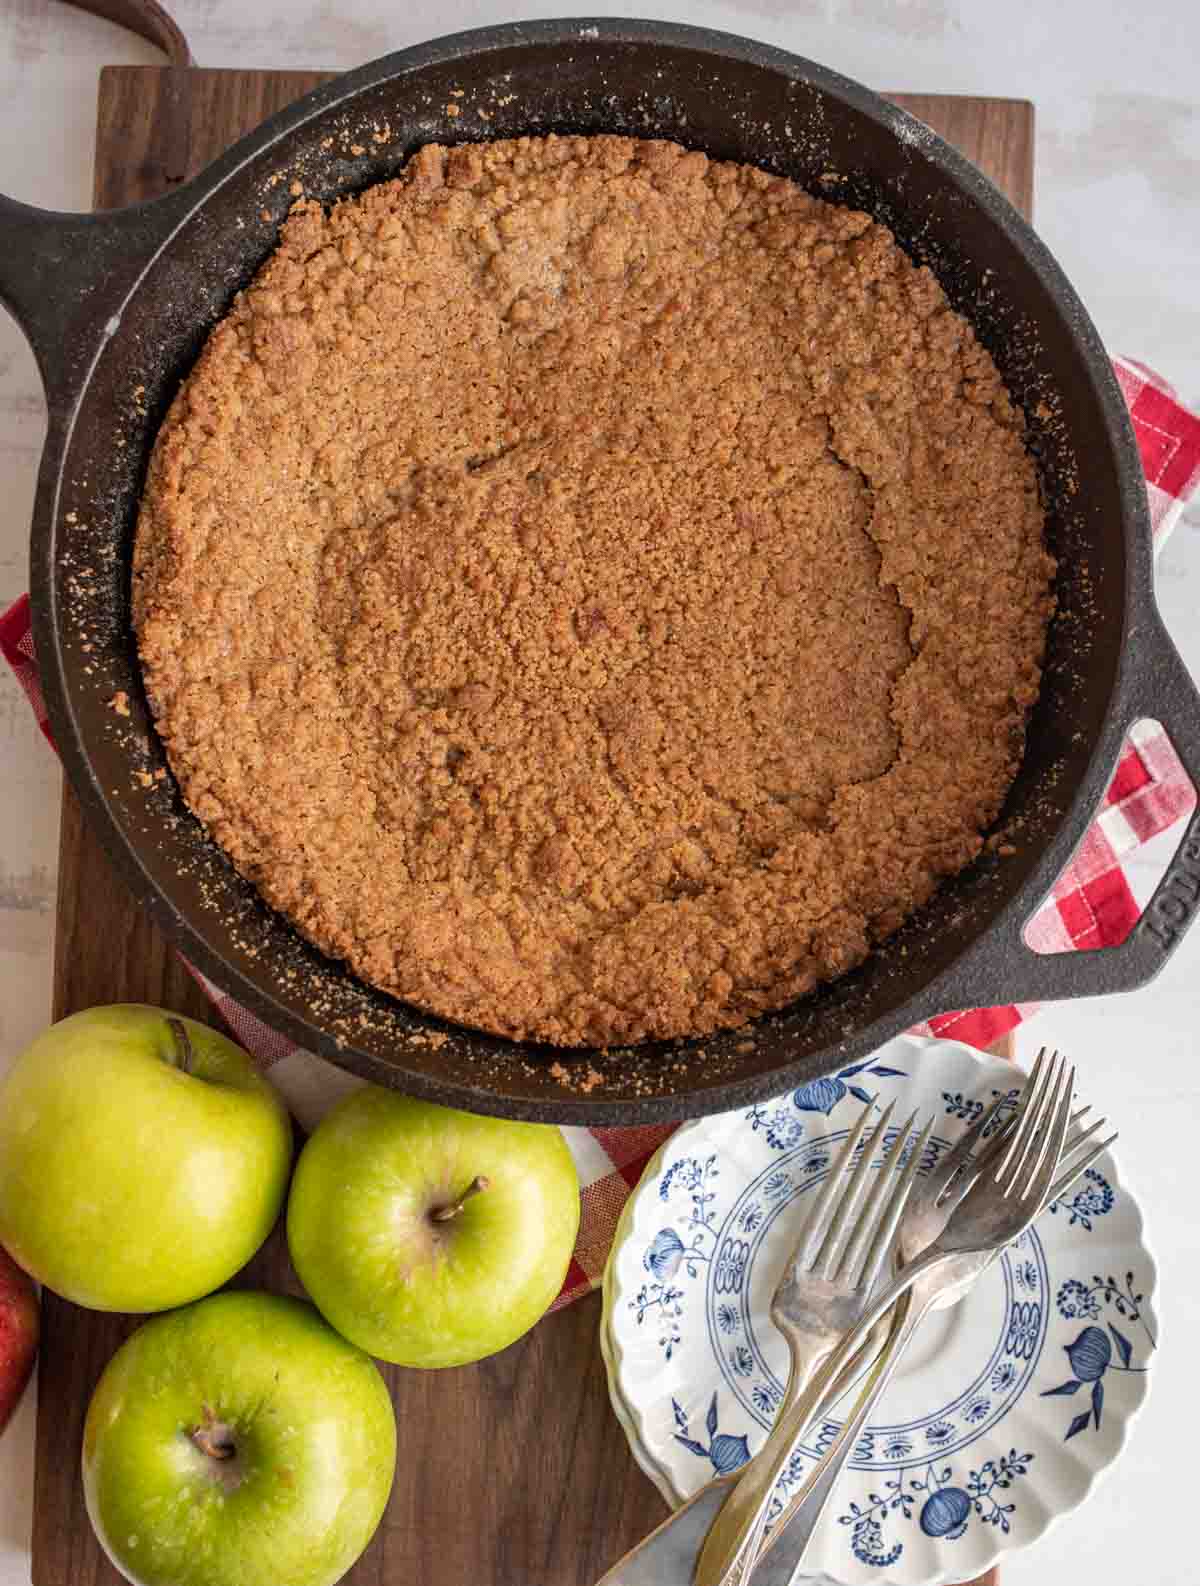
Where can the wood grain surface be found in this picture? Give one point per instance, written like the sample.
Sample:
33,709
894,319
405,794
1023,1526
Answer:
513,1472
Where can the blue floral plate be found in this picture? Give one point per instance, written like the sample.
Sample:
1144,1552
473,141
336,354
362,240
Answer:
1007,1406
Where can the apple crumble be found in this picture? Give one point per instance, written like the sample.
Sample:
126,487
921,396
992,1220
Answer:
593,590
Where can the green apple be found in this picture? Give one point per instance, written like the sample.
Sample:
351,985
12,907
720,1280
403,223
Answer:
431,1237
143,1159
238,1442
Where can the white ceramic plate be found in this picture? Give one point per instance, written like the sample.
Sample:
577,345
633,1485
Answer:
1007,1406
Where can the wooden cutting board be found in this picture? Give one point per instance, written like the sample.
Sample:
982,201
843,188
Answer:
513,1472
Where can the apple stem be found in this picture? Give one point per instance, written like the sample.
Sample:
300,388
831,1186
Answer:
443,1214
185,1056
214,1438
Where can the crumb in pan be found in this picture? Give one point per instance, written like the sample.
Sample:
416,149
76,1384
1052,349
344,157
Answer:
594,590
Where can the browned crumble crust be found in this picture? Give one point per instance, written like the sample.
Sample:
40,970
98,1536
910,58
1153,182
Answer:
595,591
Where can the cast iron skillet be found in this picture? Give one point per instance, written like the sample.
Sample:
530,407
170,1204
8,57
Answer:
117,305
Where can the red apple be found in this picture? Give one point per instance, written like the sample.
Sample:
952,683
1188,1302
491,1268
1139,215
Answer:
18,1334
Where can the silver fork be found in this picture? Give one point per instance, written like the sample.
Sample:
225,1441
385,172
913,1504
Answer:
923,1218
936,1194
990,1205
825,1290
822,1292
921,1211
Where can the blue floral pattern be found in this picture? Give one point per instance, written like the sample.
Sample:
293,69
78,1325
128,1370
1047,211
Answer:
1090,1357
1078,1298
864,1449
765,1398
665,1254
779,1121
1026,1274
781,1126
671,1250
731,1266
1091,1201
941,1509
724,1451
1024,1327
1098,1350
662,1301
823,1095
970,1109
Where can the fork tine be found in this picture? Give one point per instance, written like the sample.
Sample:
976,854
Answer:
1001,1141
962,1152
1034,1120
965,1167
1075,1140
1033,1101
1051,1159
864,1228
1080,1137
1001,1144
846,1208
830,1191
1056,1106
1049,1145
1032,1181
961,1186
1063,1183
880,1246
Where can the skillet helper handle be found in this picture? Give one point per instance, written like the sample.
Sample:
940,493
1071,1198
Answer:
64,278
1166,691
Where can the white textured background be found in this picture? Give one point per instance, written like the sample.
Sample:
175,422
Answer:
1118,201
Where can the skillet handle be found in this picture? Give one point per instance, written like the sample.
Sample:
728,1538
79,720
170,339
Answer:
65,279
147,18
1166,691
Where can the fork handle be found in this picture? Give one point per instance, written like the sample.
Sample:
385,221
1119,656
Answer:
808,1386
743,1514
667,1557
794,1526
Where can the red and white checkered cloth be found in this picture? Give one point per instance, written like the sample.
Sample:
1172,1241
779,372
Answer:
1091,905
